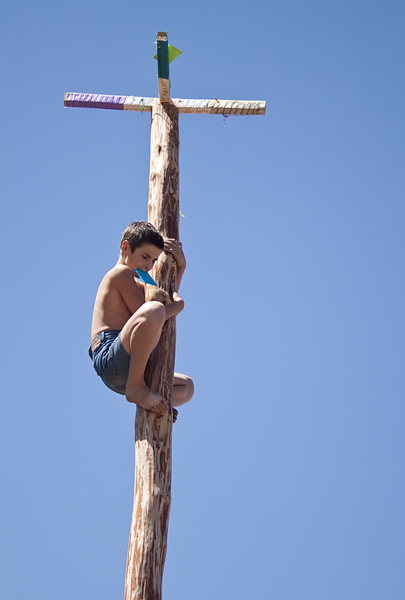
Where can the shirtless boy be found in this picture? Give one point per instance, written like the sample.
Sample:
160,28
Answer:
126,329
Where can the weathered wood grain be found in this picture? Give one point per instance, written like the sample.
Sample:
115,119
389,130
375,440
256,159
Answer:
220,107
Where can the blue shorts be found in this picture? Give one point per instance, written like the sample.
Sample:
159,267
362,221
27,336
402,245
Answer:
111,361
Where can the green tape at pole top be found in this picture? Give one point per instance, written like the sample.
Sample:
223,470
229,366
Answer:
172,52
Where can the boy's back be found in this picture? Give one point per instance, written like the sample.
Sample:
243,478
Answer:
118,297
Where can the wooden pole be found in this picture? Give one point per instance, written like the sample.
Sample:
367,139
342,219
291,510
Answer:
153,454
152,495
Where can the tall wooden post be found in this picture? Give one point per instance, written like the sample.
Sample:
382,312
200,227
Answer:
150,518
152,492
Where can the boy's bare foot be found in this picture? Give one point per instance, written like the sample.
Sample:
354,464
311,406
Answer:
147,399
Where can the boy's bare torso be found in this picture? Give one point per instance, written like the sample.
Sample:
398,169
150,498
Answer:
118,297
120,305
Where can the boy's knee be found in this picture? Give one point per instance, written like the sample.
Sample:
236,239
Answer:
187,389
148,319
154,313
190,387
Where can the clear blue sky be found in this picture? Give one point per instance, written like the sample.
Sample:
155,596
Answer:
288,464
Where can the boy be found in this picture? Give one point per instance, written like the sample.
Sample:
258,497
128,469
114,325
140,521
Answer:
126,329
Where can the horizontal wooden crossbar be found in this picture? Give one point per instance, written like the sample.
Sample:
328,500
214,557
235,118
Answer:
79,100
215,107
221,107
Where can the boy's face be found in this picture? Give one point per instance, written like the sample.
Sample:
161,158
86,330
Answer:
143,257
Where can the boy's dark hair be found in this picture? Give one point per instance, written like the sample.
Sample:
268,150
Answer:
142,232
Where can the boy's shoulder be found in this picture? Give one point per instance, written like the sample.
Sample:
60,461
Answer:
119,272
122,275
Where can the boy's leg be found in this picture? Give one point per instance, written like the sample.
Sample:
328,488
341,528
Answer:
183,389
139,337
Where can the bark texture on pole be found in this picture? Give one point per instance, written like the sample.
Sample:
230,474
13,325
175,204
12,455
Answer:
152,492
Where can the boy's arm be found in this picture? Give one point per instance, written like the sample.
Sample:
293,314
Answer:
129,290
175,307
176,250
133,297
